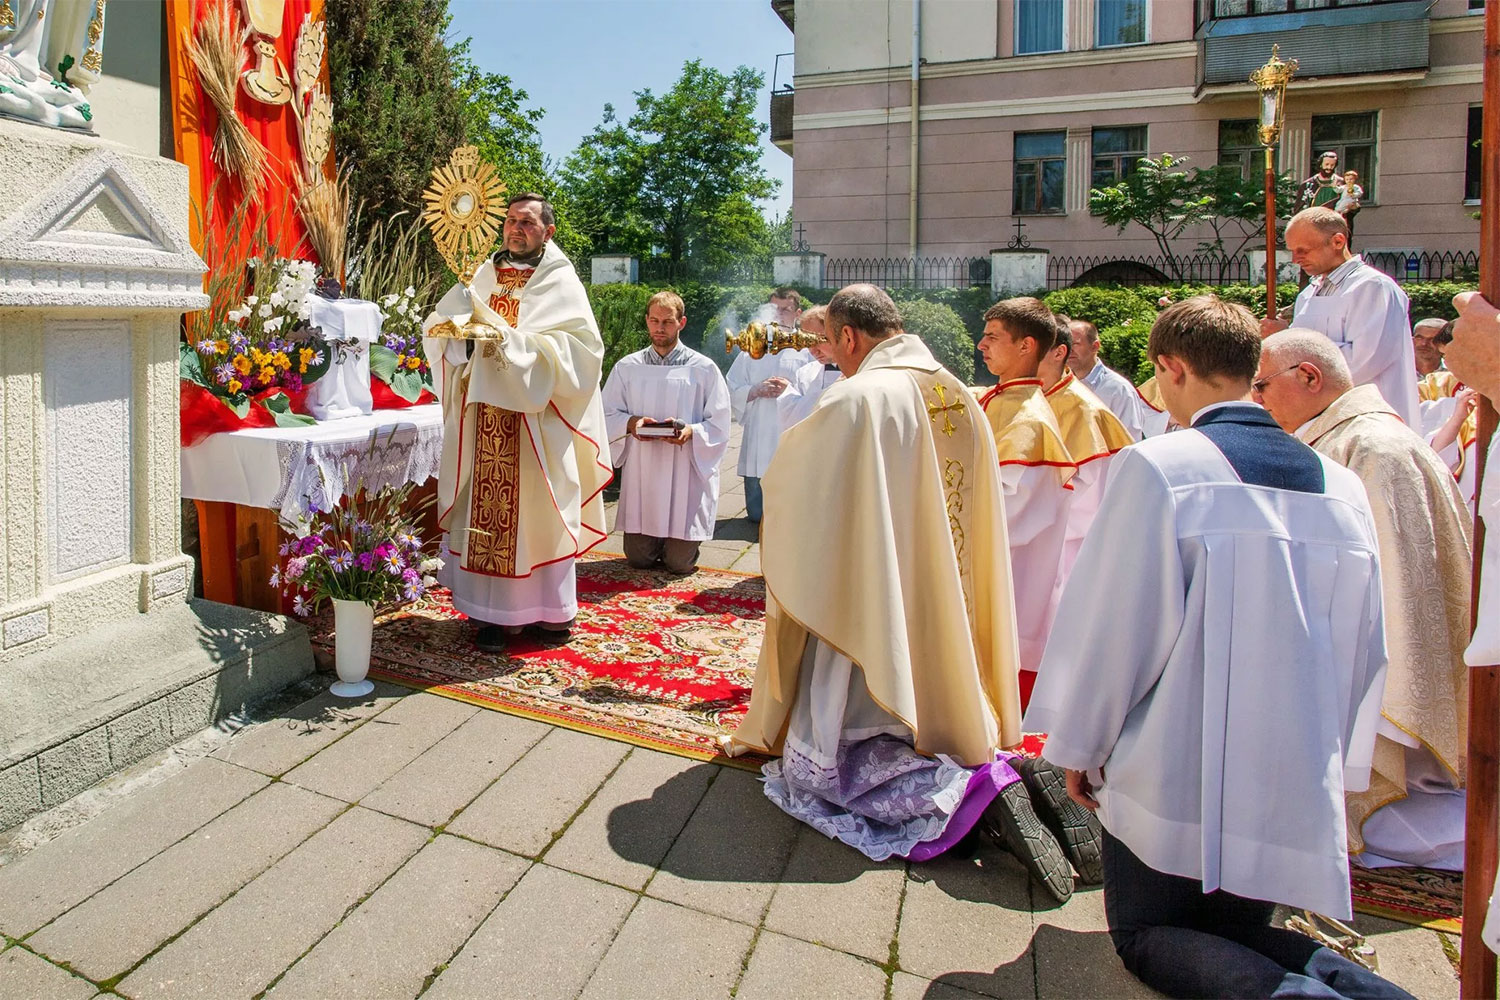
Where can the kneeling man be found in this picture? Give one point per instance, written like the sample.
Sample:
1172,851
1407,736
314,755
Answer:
667,409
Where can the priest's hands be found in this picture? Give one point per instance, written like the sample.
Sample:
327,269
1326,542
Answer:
770,388
684,434
1474,354
1081,790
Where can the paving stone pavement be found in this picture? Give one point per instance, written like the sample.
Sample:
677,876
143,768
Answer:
407,845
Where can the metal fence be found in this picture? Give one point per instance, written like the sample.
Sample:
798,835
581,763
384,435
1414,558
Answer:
744,272
903,272
1427,265
1207,269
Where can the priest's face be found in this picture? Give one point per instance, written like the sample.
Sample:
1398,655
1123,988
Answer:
663,325
525,233
1313,251
1283,390
820,349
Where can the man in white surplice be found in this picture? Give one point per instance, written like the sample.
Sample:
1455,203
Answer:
813,378
670,495
1114,389
1354,305
754,387
1219,684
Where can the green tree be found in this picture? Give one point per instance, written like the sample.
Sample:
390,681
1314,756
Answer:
396,107
681,178
1234,209
1159,197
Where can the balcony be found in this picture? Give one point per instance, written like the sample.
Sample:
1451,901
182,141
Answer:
1374,36
781,103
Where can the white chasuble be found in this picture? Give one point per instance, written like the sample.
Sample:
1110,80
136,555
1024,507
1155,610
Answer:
1422,525
761,417
1036,471
668,490
1364,313
525,455
911,583
1225,757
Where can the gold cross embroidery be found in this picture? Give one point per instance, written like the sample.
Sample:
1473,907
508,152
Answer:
943,406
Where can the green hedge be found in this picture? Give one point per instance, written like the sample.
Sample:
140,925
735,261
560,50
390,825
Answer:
942,330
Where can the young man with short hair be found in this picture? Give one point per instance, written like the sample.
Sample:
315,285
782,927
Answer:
669,496
1218,686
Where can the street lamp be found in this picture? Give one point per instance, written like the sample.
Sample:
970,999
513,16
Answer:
1271,79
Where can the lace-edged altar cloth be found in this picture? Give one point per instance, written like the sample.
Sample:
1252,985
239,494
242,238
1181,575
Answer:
295,470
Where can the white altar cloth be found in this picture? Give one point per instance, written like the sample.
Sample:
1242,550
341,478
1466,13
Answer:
294,470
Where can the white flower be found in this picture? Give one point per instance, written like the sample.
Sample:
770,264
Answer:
273,324
251,300
277,299
429,581
236,315
431,565
265,311
389,299
304,311
410,291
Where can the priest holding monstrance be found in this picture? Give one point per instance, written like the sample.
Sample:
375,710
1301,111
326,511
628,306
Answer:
516,356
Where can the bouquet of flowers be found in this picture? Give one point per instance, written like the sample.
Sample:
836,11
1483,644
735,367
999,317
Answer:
397,359
364,550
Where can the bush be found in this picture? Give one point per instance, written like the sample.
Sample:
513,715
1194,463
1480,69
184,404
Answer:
1123,348
942,330
621,313
1434,298
1101,306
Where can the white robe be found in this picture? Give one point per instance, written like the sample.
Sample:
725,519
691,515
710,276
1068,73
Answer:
1037,499
761,418
805,391
1119,394
1365,316
1460,458
668,490
1225,758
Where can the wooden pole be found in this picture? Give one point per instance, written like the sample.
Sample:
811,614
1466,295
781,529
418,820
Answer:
1477,963
1271,310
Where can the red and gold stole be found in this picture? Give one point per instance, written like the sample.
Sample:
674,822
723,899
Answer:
494,503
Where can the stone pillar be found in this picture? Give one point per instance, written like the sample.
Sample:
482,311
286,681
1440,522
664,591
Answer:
1285,269
805,269
614,269
1018,272
1078,171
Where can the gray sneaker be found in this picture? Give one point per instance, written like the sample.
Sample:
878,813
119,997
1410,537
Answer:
1011,822
1076,828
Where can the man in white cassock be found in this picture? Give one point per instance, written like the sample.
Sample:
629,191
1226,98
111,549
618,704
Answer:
525,455
1356,306
812,379
755,385
1413,811
1117,391
1218,687
1091,433
887,678
1035,466
1449,419
670,495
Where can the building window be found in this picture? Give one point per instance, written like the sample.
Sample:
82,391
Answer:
1240,148
1040,169
1120,22
1352,137
1039,26
1116,152
1471,154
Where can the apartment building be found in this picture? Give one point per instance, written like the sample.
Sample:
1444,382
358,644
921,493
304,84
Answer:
1024,105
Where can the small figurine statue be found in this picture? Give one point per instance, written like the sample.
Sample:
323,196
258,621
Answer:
51,53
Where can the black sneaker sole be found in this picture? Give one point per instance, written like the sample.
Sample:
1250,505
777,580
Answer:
1076,828
1012,821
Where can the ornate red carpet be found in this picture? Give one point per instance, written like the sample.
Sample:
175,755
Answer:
659,661
1422,896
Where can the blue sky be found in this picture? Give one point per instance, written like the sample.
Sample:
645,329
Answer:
579,55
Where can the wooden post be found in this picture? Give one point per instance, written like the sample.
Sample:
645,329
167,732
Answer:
1271,310
1477,962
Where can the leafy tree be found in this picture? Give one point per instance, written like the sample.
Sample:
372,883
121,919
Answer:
1235,208
681,177
1157,196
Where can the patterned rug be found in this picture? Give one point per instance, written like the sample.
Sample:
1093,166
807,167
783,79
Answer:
655,660
1422,896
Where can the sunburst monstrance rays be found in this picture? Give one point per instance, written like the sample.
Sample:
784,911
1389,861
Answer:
464,209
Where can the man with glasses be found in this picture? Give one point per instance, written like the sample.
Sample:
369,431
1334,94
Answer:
1413,811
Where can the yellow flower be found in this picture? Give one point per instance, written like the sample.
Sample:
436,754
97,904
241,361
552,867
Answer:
401,361
306,356
241,364
259,357
302,368
267,374
414,362
234,386
282,361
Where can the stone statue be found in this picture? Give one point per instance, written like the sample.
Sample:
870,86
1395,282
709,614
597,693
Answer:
51,53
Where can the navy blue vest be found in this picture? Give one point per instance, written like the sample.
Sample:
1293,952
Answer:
1261,453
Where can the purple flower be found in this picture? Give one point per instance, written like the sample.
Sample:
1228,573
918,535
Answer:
341,561
365,561
362,527
276,577
206,346
299,605
296,567
410,575
310,544
412,591
238,342
395,563
285,549
224,373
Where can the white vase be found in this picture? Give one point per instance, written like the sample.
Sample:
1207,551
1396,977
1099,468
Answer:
353,623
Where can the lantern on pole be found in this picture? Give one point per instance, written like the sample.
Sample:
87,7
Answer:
1271,80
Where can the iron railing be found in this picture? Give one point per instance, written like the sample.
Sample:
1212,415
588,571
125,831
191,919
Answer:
1426,265
742,272
904,272
1207,269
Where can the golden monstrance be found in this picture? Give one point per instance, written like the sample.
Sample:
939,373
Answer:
464,208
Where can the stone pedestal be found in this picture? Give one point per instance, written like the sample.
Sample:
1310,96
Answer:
804,269
1017,272
1285,269
95,272
614,269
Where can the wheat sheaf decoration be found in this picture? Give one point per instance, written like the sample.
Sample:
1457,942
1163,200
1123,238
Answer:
323,202
215,47
464,209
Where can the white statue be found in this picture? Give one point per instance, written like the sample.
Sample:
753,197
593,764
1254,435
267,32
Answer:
51,53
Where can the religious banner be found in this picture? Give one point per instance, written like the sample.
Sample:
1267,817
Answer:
265,60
